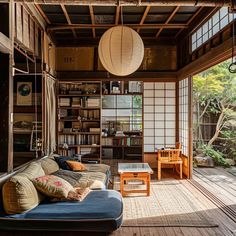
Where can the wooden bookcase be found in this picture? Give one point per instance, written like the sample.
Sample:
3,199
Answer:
79,119
27,119
122,120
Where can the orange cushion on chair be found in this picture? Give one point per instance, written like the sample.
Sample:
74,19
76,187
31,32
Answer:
75,165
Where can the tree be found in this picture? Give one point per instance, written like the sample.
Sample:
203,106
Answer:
215,93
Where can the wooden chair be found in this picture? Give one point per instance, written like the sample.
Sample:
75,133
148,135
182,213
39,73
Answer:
170,157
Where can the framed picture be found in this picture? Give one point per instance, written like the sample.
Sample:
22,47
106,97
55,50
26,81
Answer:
24,94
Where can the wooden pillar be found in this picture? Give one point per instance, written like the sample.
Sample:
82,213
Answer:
190,126
6,91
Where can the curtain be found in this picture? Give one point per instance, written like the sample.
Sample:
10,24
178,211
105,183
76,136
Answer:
50,115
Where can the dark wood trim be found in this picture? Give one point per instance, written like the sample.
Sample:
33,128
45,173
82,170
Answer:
168,20
136,76
70,42
206,3
214,56
92,20
177,111
190,20
67,18
117,15
190,127
53,27
42,13
144,17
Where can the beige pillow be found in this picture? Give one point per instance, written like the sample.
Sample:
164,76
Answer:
53,186
20,195
32,171
49,165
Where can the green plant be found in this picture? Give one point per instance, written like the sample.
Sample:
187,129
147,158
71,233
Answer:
215,155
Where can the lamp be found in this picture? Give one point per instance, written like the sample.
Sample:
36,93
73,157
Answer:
121,50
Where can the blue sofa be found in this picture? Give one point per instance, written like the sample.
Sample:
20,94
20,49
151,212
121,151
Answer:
100,211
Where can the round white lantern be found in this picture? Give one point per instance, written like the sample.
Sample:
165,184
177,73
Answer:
121,50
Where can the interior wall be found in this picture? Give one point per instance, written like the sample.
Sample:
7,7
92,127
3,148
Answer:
158,58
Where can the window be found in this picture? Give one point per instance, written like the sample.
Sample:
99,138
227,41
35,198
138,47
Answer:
183,115
159,115
216,23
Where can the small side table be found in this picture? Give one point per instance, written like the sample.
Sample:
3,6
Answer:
135,171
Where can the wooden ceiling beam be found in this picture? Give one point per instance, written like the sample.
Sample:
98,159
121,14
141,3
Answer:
168,20
68,18
42,13
92,20
104,26
205,3
144,17
190,20
117,15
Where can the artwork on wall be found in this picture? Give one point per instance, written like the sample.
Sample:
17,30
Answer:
24,94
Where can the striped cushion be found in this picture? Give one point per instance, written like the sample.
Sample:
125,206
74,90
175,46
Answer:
19,193
93,180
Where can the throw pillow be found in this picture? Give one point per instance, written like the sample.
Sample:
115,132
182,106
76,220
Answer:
61,161
53,186
78,194
69,176
76,166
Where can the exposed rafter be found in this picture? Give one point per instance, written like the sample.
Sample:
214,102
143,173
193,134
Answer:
190,20
144,16
68,18
104,26
168,20
206,3
117,15
92,20
42,14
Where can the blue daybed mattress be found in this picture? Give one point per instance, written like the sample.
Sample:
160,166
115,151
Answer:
100,211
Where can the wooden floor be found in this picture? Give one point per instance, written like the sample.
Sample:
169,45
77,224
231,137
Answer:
216,180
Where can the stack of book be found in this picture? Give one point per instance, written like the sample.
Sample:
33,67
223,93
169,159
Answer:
76,102
93,102
64,102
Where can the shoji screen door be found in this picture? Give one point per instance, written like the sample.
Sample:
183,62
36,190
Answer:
159,115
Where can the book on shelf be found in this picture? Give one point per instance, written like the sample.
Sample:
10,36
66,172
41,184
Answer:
64,102
76,102
107,141
94,130
93,102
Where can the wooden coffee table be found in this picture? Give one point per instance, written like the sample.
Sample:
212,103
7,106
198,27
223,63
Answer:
134,171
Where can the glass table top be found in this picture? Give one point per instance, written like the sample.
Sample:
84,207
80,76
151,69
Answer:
134,167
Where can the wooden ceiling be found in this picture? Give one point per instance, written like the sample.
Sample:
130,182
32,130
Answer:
84,25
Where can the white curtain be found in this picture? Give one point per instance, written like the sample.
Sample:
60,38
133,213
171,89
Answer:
50,115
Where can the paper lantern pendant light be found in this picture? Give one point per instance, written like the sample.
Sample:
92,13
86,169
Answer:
121,50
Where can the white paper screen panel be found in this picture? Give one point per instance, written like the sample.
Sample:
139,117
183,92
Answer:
159,115
183,116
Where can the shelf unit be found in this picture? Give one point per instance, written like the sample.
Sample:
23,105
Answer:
79,119
25,117
122,119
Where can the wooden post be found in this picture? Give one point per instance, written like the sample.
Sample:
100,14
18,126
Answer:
190,127
6,91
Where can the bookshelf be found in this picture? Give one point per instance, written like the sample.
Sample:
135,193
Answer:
27,123
79,119
122,119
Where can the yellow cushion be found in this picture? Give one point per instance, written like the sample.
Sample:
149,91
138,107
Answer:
20,195
76,166
53,186
32,171
49,165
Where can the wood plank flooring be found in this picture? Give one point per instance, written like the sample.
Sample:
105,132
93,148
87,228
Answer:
219,182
